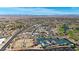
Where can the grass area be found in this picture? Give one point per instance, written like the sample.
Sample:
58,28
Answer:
73,35
61,31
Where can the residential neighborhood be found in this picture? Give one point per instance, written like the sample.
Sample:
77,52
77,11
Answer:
34,33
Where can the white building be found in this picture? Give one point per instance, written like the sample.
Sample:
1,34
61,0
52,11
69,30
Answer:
2,40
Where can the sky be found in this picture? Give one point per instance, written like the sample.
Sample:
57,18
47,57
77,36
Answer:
39,10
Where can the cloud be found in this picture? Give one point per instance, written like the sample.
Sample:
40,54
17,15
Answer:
39,11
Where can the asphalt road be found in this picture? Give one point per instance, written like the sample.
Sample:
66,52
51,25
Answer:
4,46
10,39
